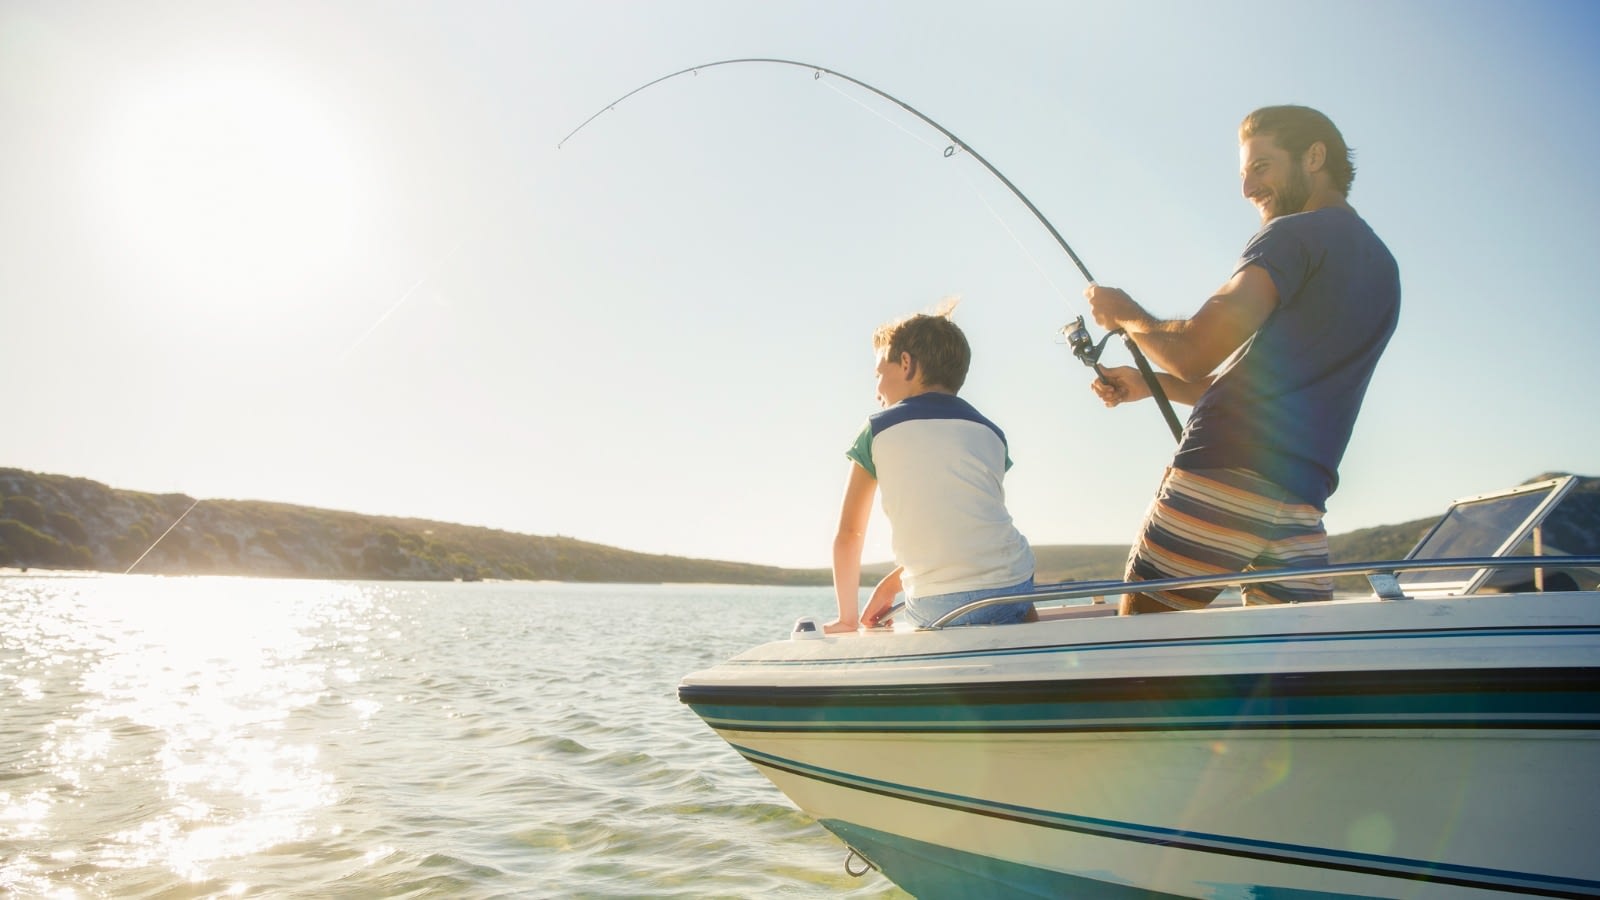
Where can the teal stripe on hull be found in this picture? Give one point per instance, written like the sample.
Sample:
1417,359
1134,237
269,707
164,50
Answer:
1566,699
929,870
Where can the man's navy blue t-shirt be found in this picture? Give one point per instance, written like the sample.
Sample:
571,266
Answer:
1284,404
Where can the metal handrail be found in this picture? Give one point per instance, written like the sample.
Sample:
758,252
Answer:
1070,590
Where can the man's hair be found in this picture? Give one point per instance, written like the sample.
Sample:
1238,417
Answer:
1295,129
936,345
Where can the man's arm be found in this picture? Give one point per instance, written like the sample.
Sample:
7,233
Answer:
1124,384
1191,349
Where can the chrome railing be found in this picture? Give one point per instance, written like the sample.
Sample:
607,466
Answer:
1381,575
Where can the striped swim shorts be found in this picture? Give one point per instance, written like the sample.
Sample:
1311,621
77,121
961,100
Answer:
1213,521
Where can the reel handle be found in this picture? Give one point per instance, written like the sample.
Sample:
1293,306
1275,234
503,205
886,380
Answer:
1088,352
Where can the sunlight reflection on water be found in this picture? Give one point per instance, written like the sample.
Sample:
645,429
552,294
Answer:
209,737
198,688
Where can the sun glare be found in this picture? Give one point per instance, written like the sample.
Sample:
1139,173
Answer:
222,181
188,690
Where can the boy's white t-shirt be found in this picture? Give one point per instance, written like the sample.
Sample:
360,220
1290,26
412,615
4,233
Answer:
940,467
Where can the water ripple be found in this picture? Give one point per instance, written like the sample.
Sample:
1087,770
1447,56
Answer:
169,737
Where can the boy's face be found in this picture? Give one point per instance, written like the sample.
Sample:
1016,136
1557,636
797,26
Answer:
896,379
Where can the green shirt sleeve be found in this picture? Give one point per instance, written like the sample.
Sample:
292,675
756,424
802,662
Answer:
861,450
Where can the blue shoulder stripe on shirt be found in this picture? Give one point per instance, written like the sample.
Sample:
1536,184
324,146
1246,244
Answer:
932,405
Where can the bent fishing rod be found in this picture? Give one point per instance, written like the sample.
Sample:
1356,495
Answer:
1077,333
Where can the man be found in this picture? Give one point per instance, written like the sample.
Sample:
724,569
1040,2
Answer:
1276,364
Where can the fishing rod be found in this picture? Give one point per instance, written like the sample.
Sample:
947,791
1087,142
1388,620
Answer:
1077,333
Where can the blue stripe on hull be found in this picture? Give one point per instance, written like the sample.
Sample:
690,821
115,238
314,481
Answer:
1546,699
1310,859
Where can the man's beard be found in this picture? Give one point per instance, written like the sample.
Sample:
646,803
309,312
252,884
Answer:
1294,196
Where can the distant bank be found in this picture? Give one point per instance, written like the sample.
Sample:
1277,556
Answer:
63,522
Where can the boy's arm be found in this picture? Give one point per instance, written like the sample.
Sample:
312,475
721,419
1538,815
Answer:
882,598
847,543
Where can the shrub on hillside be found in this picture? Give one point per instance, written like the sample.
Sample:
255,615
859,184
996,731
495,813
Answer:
67,527
23,545
26,510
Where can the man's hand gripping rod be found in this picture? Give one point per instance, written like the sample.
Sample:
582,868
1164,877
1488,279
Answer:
1087,351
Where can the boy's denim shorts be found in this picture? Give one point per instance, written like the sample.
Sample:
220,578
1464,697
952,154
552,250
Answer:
924,611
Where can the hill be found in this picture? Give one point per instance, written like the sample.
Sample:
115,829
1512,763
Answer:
57,521
62,522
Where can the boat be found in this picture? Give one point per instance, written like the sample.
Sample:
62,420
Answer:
1435,734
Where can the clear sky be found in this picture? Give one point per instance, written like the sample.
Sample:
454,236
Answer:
329,253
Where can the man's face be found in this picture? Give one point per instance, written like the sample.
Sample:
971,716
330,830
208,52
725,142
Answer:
1271,179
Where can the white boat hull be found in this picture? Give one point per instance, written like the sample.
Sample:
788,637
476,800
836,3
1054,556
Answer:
1416,748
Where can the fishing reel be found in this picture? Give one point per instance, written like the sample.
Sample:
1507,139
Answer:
1083,346
1088,352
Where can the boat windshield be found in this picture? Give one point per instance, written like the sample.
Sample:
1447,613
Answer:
1486,525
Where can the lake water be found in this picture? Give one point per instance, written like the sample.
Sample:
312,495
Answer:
222,737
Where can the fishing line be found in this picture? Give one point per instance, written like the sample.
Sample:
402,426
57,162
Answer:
1017,239
903,130
427,274
163,536
950,151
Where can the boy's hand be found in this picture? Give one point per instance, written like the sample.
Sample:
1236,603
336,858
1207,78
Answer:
882,598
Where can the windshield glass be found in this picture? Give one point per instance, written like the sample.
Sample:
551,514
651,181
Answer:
1486,526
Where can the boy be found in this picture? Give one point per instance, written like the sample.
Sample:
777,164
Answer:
941,465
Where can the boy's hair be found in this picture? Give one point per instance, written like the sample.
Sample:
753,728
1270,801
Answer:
935,344
1295,129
